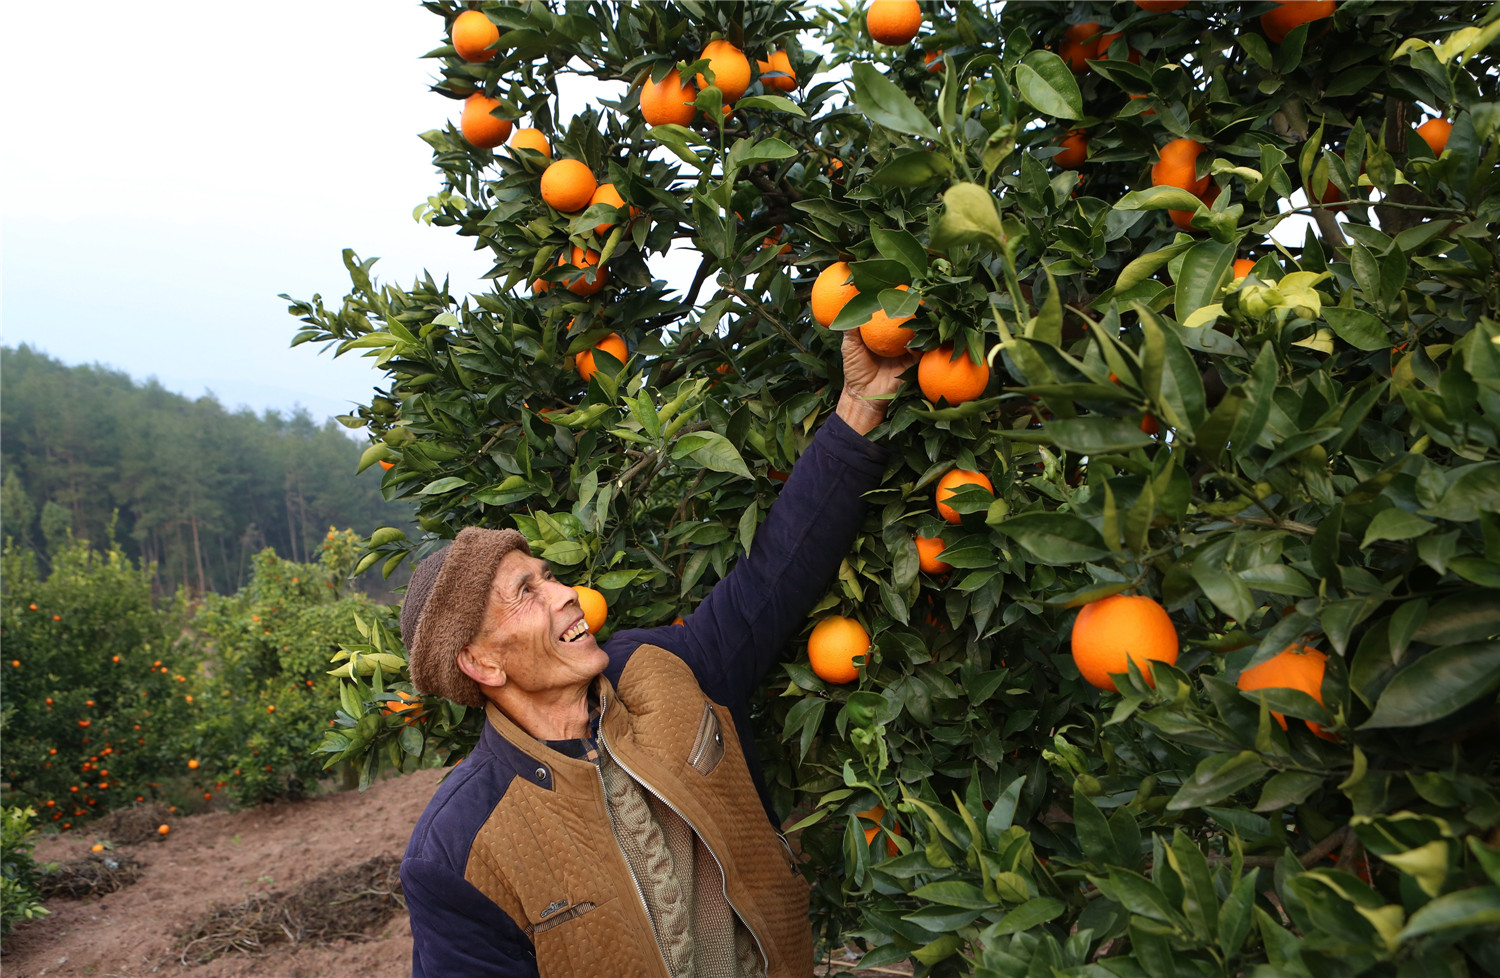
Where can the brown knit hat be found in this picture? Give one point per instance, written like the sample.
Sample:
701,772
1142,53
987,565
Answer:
444,608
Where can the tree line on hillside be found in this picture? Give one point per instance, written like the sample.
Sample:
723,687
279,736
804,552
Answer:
182,484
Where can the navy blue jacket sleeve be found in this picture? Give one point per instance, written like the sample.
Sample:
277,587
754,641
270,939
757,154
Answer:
456,930
741,627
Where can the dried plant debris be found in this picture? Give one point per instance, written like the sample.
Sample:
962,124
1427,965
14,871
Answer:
131,826
93,875
337,906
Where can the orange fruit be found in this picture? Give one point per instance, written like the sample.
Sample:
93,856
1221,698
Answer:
1184,219
730,67
586,260
193,764
473,33
479,127
1075,149
1434,133
1288,14
1149,425
875,815
1122,627
407,702
163,829
97,847
928,551
885,336
1178,167
530,139
668,101
1148,111
1105,40
950,483
786,81
1080,43
831,291
893,21
1242,267
942,378
1298,667
567,185
614,345
607,194
770,240
1161,6
386,465
833,646
933,60
595,608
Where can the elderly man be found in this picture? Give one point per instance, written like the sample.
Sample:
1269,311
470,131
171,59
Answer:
613,819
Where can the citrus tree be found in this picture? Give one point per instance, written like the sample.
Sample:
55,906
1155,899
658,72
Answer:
1183,585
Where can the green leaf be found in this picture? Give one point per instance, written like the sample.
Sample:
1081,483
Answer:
1475,490
1158,199
954,893
743,153
1477,906
1218,777
1204,269
1029,915
1287,788
1437,684
1097,434
712,451
1395,524
902,246
1360,329
969,217
775,103
446,484
1047,84
1055,538
1146,265
566,552
1094,836
913,169
885,104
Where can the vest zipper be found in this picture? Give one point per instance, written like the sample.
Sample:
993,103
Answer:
614,831
723,877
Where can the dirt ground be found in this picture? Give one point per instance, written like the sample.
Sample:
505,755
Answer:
221,859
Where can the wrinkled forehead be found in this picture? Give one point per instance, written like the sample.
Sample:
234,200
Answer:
514,568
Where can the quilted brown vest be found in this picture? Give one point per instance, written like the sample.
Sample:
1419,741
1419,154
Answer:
547,855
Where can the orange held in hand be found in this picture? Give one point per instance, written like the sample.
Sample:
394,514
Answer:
668,101
730,67
950,483
944,379
479,127
614,345
833,646
1298,667
893,21
831,292
473,33
885,336
567,185
595,608
1120,628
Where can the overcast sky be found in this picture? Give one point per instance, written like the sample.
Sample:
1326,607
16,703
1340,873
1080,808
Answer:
170,167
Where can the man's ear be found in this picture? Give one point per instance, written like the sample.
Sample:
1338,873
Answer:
482,668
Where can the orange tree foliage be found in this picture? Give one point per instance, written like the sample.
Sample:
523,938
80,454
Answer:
1321,465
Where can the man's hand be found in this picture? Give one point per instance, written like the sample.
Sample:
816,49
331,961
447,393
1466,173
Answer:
869,382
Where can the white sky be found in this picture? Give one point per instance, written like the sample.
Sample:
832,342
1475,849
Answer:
177,165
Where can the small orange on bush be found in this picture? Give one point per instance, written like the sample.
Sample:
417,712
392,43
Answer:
730,67
613,344
929,559
567,185
1298,667
590,281
473,33
875,815
528,138
1080,43
1242,267
606,193
786,80
893,22
1178,166
944,379
1434,133
1075,149
950,483
833,646
1278,23
668,101
1122,627
479,127
595,608
193,764
163,829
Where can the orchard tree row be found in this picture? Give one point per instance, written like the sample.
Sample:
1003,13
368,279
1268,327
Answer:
1182,590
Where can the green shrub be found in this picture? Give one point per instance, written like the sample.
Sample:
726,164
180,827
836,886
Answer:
17,871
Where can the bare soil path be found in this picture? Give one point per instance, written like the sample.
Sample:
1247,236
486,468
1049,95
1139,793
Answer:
223,858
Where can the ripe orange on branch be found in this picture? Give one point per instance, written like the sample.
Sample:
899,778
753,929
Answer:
786,80
1080,43
568,185
1289,14
730,67
473,33
950,483
479,127
833,646
593,279
1075,149
944,379
929,555
1434,133
1178,167
530,139
831,292
893,22
1118,629
1298,667
875,815
607,194
668,101
614,345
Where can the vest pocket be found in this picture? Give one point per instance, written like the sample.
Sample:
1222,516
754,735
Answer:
550,921
708,748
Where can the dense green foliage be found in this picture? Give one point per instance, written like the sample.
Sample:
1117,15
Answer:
1325,469
18,892
189,487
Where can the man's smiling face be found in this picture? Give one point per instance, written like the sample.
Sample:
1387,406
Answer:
534,629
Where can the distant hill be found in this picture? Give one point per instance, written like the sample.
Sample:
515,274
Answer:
180,483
